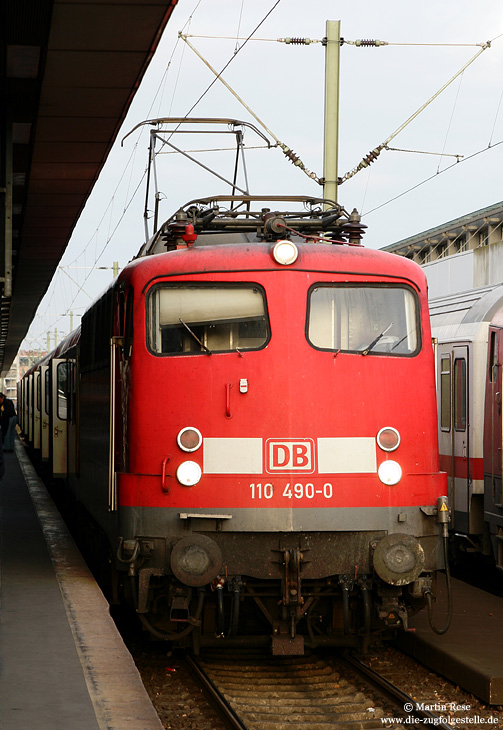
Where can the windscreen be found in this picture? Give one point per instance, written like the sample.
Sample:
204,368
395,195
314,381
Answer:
363,318
192,319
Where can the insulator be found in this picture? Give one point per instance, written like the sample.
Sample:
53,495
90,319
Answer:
294,158
371,157
367,42
298,41
354,228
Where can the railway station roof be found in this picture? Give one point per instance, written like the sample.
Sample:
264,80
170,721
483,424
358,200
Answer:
460,255
478,229
69,70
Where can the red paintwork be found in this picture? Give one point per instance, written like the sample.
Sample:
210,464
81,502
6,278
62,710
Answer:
475,466
227,492
295,391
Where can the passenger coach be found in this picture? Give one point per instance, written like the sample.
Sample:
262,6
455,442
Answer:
469,329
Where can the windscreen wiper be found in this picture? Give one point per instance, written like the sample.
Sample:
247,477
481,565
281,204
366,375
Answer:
374,342
206,349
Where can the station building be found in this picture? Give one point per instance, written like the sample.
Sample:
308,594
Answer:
462,254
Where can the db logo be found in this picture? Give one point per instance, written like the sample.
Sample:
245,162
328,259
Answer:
290,455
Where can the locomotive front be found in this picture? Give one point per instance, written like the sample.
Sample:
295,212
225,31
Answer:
279,475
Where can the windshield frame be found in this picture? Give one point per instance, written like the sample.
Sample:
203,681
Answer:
368,347
218,285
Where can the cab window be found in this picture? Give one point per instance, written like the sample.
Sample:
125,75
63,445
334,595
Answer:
195,319
365,319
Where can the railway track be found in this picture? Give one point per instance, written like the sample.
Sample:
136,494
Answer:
302,693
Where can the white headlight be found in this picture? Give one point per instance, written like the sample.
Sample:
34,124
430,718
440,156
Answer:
390,473
188,473
285,252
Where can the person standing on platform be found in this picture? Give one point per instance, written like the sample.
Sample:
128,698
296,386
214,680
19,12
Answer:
7,422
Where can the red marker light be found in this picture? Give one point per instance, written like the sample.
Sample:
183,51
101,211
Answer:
189,236
388,439
189,439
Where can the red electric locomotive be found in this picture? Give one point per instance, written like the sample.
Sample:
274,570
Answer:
251,427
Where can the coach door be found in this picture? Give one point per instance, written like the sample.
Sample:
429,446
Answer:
460,437
72,419
36,409
59,416
30,408
24,391
45,392
493,417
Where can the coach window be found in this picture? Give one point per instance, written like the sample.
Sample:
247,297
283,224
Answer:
62,390
493,359
460,394
196,319
128,325
364,319
39,394
121,307
71,391
445,393
47,403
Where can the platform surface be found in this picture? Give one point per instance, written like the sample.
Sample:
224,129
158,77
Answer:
471,652
63,663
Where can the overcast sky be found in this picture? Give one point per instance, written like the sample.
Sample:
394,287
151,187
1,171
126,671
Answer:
284,86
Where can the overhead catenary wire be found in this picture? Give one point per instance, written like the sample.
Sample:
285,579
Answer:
495,119
450,120
289,40
423,152
144,173
201,97
214,149
132,156
109,207
368,43
287,151
86,278
126,206
373,154
237,37
128,200
236,47
431,177
229,88
175,88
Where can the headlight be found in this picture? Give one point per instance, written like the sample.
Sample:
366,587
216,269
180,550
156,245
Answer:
285,253
390,473
188,473
388,439
189,439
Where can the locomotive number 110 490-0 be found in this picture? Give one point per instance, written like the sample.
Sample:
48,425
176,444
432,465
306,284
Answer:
299,490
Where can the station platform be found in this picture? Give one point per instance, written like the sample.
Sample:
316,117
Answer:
63,663
471,652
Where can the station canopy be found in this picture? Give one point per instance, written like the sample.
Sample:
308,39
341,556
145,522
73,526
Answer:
70,69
